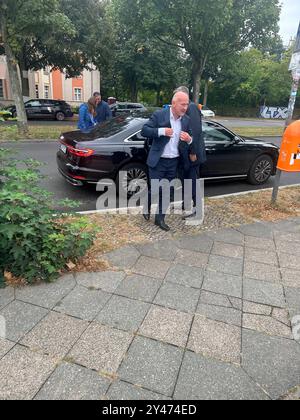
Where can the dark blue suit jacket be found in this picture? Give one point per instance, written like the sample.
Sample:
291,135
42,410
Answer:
103,112
161,119
196,125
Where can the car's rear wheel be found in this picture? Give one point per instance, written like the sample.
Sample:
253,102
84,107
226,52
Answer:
133,179
60,116
261,170
14,114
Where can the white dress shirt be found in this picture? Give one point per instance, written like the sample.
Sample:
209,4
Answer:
172,150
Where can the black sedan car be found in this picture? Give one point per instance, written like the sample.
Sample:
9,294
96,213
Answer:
117,146
45,109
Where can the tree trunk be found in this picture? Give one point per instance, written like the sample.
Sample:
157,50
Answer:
158,97
14,80
25,86
134,92
196,76
25,80
206,92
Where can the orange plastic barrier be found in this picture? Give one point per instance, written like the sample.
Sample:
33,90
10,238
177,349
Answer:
289,159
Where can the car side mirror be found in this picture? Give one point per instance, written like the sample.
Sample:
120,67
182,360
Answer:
237,140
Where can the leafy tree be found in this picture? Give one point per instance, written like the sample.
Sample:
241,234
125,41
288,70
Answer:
139,60
59,34
252,79
211,30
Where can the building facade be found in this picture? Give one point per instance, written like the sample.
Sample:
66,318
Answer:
46,84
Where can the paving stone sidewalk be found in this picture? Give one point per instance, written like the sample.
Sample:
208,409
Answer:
206,316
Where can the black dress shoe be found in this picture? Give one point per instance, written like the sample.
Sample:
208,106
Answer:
146,216
161,224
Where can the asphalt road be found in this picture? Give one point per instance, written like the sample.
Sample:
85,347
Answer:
229,122
46,152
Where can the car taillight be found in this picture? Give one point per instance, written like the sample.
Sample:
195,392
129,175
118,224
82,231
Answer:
80,178
80,152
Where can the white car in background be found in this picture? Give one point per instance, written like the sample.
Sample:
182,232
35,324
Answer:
207,113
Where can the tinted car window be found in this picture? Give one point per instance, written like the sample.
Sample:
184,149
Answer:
137,137
122,106
216,133
112,127
33,103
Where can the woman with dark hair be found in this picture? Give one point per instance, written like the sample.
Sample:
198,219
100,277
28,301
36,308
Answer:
87,114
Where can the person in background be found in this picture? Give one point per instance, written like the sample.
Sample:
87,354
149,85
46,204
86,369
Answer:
103,111
87,115
112,102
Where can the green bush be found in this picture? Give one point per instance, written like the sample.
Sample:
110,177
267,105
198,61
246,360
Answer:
75,110
5,115
34,243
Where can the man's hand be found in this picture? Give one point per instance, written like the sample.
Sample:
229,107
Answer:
193,158
169,132
185,137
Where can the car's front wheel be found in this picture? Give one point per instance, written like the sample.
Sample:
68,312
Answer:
60,116
133,179
261,170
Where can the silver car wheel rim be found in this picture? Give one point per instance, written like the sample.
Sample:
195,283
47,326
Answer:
263,171
132,183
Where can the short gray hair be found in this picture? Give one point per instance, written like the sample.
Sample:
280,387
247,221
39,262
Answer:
182,89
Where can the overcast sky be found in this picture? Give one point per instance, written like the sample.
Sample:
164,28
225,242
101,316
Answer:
290,18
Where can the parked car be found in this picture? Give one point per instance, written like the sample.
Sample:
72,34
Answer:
45,108
127,107
207,113
118,145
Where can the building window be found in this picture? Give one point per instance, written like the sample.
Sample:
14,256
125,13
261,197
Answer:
1,89
37,94
46,91
78,94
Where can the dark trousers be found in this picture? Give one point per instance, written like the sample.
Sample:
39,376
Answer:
165,170
192,174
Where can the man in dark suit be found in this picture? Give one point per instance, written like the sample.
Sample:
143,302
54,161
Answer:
103,111
190,165
170,132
